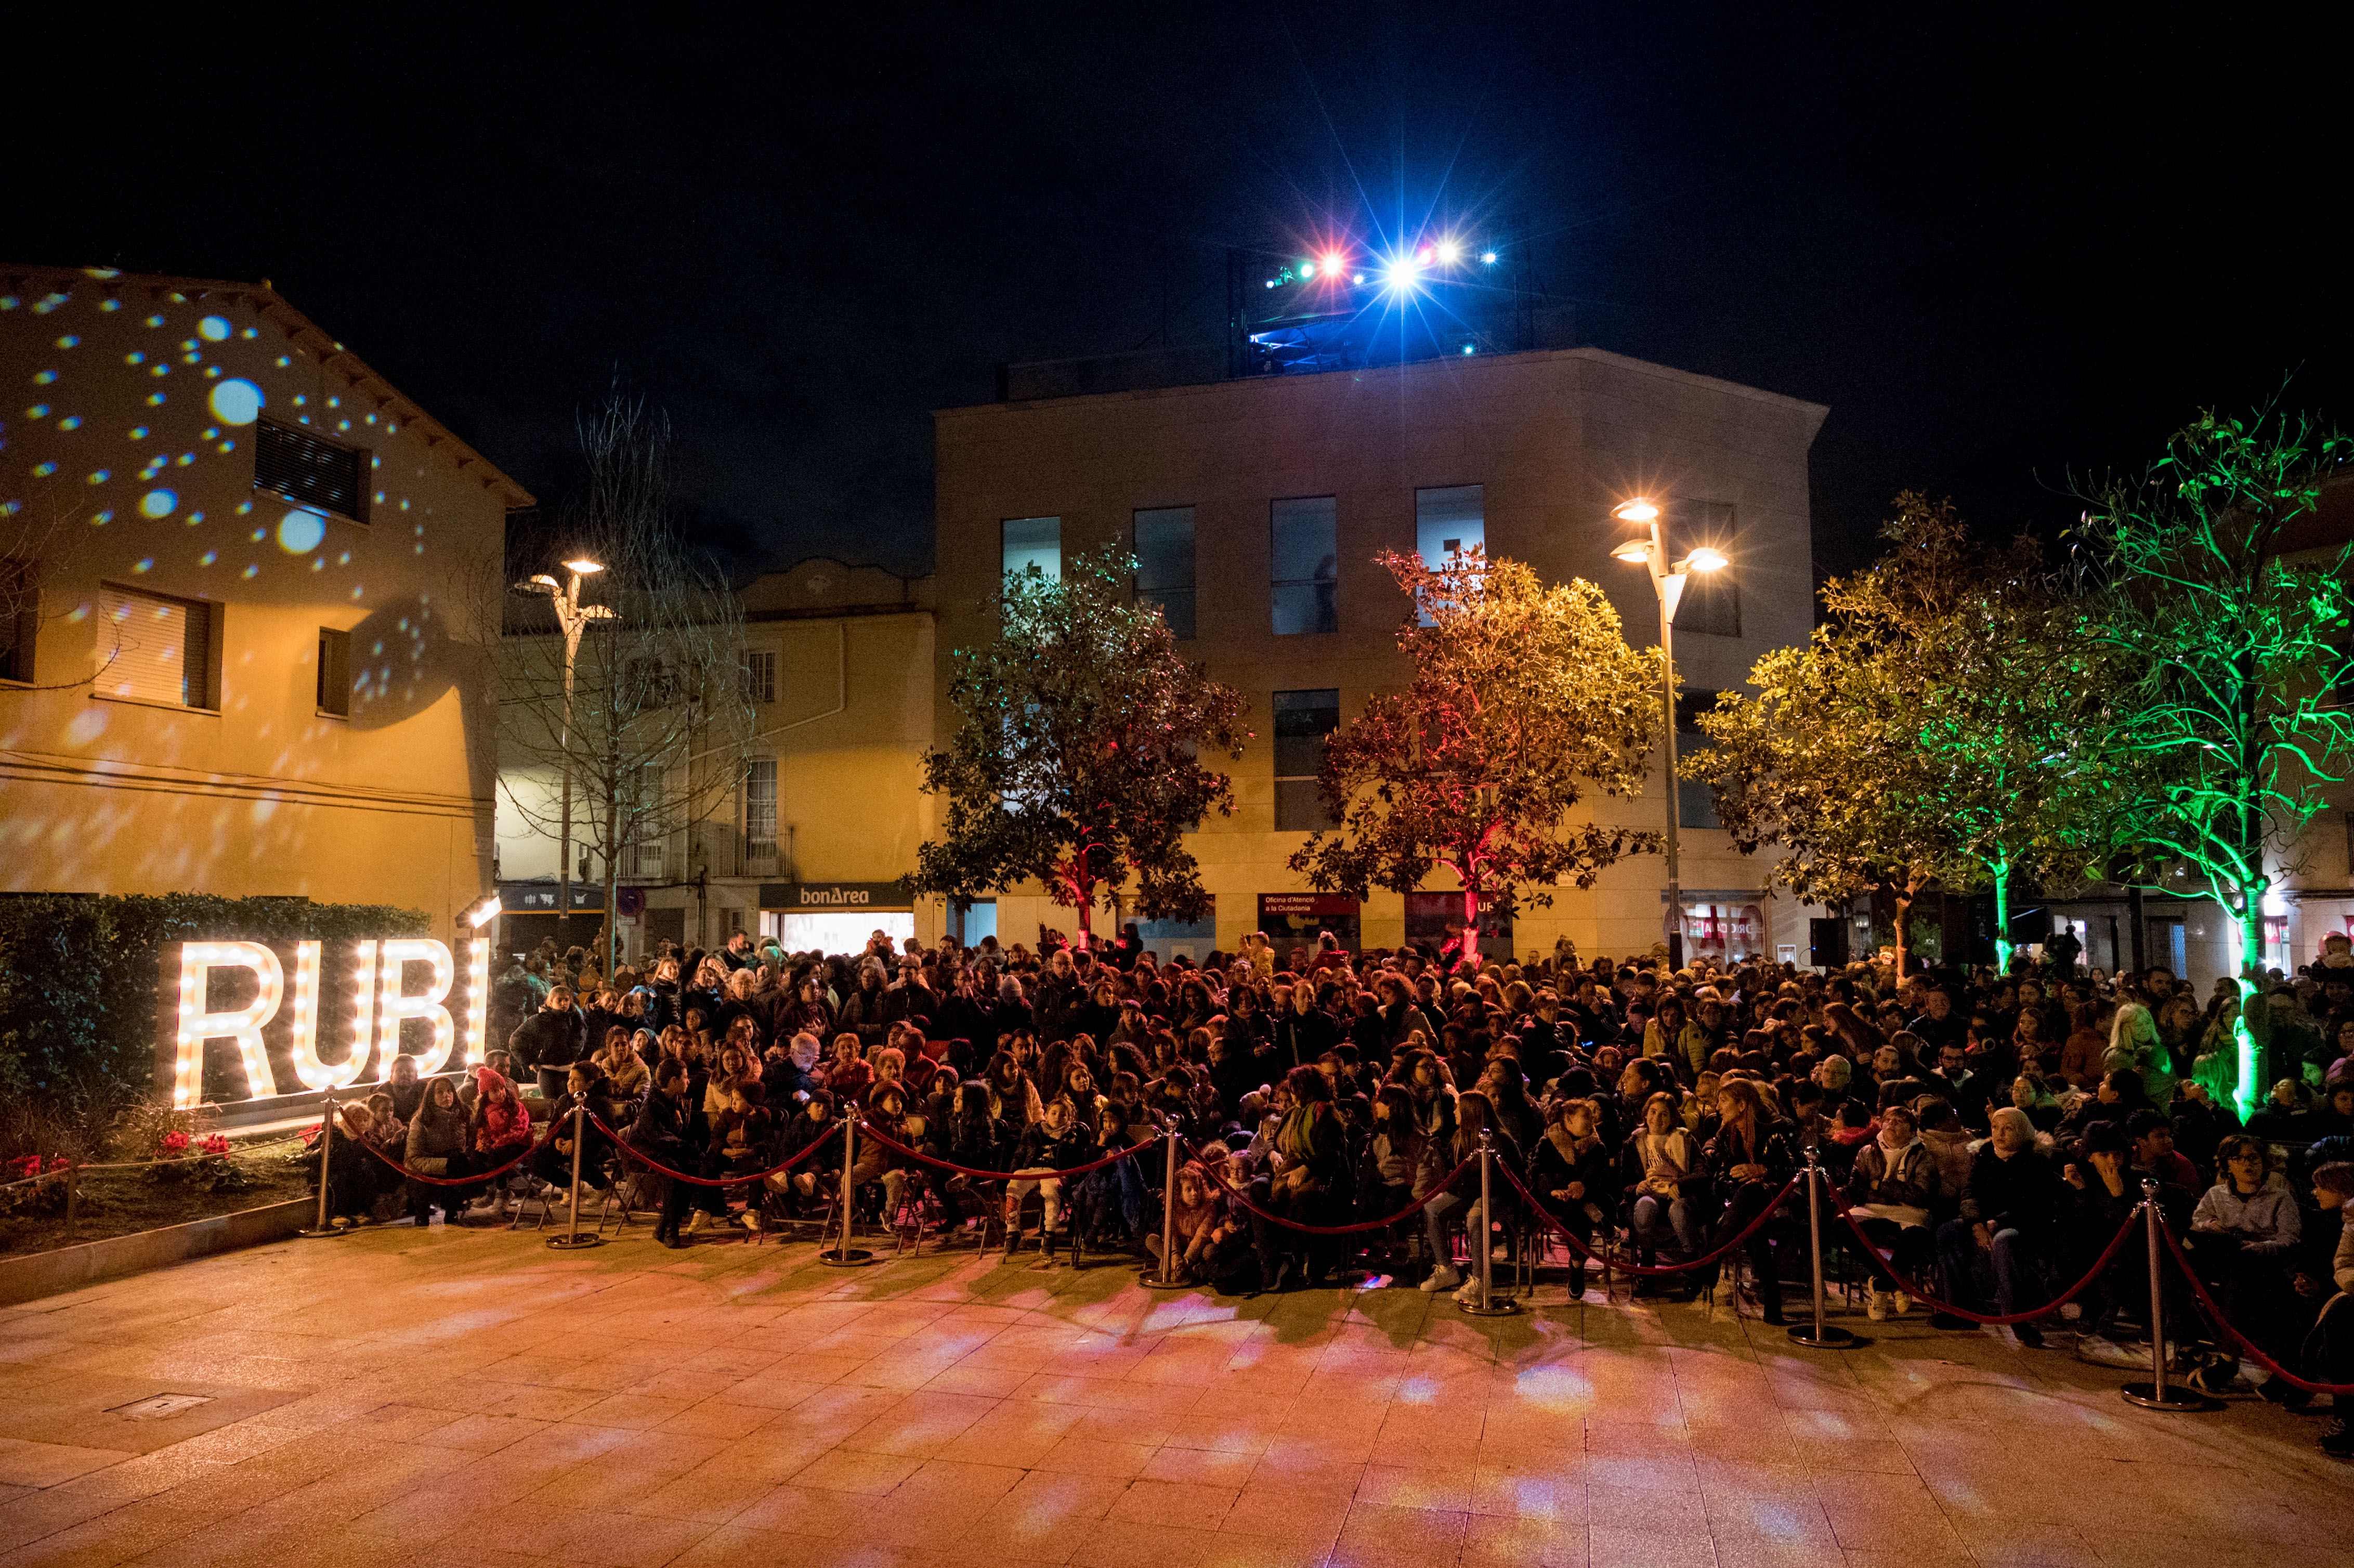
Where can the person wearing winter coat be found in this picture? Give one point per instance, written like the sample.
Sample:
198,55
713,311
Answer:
1749,1161
2243,1238
664,1132
1575,1175
1054,1142
1890,1192
1669,1185
437,1147
2002,1243
550,1040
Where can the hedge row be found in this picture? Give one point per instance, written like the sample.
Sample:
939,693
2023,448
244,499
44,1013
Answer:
78,982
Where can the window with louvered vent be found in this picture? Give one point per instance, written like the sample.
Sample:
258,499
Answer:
311,470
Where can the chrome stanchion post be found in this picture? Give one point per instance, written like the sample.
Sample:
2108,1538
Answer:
326,1149
573,1236
1488,1306
2157,1393
843,1256
1818,1334
1167,1277
73,1198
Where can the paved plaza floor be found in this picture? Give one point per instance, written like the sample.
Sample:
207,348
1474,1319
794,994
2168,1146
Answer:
473,1399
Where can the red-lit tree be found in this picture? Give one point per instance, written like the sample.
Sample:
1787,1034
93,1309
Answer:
1524,696
1075,758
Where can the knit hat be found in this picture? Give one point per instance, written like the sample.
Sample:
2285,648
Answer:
486,1076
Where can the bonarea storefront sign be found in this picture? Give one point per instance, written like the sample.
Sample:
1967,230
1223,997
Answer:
288,1016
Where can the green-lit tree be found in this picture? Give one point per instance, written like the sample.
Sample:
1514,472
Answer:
1075,760
1523,696
2239,635
1939,729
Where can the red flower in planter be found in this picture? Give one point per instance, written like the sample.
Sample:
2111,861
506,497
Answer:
218,1144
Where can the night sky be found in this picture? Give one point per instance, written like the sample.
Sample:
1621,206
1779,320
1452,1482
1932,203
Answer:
2000,249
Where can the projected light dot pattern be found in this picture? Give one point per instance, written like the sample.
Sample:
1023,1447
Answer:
158,504
236,401
299,532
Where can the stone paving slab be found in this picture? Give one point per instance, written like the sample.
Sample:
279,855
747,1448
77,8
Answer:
469,1398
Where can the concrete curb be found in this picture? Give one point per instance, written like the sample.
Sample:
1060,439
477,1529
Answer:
43,1274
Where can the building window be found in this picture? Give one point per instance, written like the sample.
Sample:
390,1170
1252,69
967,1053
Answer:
760,807
311,470
1302,720
1033,543
1165,566
157,650
20,619
1712,602
334,671
1696,801
1449,522
1306,569
645,856
760,675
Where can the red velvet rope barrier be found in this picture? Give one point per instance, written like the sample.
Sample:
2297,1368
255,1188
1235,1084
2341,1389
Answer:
1412,1209
2049,1307
628,1152
529,1149
1751,1229
900,1149
2215,1314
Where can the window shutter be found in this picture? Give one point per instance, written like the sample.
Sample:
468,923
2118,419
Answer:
158,649
309,469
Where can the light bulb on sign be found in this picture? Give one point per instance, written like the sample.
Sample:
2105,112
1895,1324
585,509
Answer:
197,961
478,1002
393,1009
304,1046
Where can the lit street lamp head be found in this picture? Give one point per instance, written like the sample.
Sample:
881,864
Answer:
1636,509
583,567
1706,559
1634,552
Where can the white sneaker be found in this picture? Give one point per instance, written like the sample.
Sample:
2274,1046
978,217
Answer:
1469,1295
1904,1303
695,1222
1876,1305
1443,1278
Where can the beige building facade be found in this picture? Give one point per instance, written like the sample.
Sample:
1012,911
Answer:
812,846
230,577
1256,507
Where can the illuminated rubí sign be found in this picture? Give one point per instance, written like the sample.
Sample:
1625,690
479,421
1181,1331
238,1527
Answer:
370,1030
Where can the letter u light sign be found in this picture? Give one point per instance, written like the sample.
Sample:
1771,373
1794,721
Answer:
377,1001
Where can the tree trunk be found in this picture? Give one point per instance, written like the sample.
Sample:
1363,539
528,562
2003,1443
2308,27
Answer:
2250,1089
2002,915
1903,925
613,884
1470,923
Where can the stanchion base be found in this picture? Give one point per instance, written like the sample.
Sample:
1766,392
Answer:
577,1239
308,1233
2149,1396
1831,1337
838,1258
1497,1307
1153,1282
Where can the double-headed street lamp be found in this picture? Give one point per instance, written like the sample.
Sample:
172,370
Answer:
1645,546
574,617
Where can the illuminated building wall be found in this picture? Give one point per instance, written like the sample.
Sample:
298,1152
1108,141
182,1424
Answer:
233,568
840,681
1389,458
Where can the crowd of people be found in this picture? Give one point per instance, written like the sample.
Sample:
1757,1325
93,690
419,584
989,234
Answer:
1985,1135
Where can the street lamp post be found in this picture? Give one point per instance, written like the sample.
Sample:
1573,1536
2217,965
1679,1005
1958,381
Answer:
574,617
1648,548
